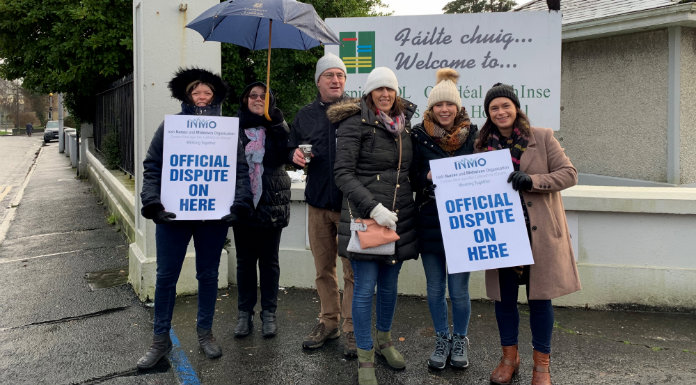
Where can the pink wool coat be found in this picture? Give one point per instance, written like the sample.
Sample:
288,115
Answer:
554,272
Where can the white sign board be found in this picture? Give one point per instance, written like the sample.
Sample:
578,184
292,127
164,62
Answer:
199,164
480,214
522,49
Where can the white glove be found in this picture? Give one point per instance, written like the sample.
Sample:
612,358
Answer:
383,216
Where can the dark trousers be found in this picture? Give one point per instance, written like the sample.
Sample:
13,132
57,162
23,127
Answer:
172,240
508,316
257,245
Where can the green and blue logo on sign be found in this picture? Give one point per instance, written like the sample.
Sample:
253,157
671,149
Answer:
358,51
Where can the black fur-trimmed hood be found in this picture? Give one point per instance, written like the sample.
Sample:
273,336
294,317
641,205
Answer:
186,76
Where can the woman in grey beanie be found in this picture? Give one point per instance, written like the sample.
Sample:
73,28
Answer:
445,131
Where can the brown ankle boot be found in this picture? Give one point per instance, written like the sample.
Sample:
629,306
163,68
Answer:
507,368
540,373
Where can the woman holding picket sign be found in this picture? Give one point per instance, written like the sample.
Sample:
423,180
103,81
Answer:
542,170
445,131
201,93
373,160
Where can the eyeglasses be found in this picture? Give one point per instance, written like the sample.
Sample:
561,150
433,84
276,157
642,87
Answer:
257,96
330,75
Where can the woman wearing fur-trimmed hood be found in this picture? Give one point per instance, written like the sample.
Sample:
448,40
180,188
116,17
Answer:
201,93
373,160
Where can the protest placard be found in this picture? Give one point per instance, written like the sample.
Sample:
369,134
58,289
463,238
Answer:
481,216
199,164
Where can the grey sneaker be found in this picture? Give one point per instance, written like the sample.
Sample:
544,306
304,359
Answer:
438,359
319,335
460,352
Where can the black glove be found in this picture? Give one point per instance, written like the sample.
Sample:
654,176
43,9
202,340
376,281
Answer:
520,181
238,213
276,116
429,191
163,217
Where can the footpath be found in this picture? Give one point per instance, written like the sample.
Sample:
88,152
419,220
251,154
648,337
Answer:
68,317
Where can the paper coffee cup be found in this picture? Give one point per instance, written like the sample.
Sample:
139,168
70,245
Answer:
307,151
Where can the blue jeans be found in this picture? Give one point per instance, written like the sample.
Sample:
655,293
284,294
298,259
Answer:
437,279
367,275
172,240
508,316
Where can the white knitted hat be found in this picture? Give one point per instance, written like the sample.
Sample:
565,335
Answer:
446,88
381,77
327,61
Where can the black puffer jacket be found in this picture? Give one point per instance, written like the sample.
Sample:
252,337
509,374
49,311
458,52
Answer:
152,165
425,150
367,158
312,126
273,208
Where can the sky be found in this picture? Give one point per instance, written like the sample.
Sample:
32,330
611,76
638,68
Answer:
419,7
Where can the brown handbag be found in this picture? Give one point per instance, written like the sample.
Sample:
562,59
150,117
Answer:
374,234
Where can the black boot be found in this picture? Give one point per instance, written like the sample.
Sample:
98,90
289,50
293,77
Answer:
208,344
269,327
161,345
244,324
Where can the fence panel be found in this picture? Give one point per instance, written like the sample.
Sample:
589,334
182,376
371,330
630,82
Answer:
114,124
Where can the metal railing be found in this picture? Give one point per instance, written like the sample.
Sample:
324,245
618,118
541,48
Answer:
114,123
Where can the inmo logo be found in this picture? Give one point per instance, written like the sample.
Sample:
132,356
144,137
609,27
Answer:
200,123
469,163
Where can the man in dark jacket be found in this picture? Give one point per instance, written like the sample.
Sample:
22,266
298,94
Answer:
312,126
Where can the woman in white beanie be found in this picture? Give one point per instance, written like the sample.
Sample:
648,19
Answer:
445,131
373,159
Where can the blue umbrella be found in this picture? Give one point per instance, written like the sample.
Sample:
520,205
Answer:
250,24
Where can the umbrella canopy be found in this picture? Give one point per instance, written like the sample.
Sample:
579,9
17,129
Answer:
247,23
250,24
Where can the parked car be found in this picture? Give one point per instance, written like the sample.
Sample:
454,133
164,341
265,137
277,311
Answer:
51,131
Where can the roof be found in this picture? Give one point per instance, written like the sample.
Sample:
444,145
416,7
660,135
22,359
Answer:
576,11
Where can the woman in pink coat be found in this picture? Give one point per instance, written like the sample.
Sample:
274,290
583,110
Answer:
542,170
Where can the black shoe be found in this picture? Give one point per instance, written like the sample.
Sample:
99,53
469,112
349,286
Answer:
161,346
208,344
269,327
244,324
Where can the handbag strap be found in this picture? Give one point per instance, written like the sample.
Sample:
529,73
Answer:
396,185
398,172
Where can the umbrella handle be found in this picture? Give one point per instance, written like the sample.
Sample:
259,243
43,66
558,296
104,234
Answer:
268,73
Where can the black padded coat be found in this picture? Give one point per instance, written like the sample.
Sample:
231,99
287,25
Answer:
273,208
367,158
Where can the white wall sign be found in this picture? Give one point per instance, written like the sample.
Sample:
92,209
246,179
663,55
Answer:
199,165
522,49
480,214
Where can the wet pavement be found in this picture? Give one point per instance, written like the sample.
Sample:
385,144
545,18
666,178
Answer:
67,318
